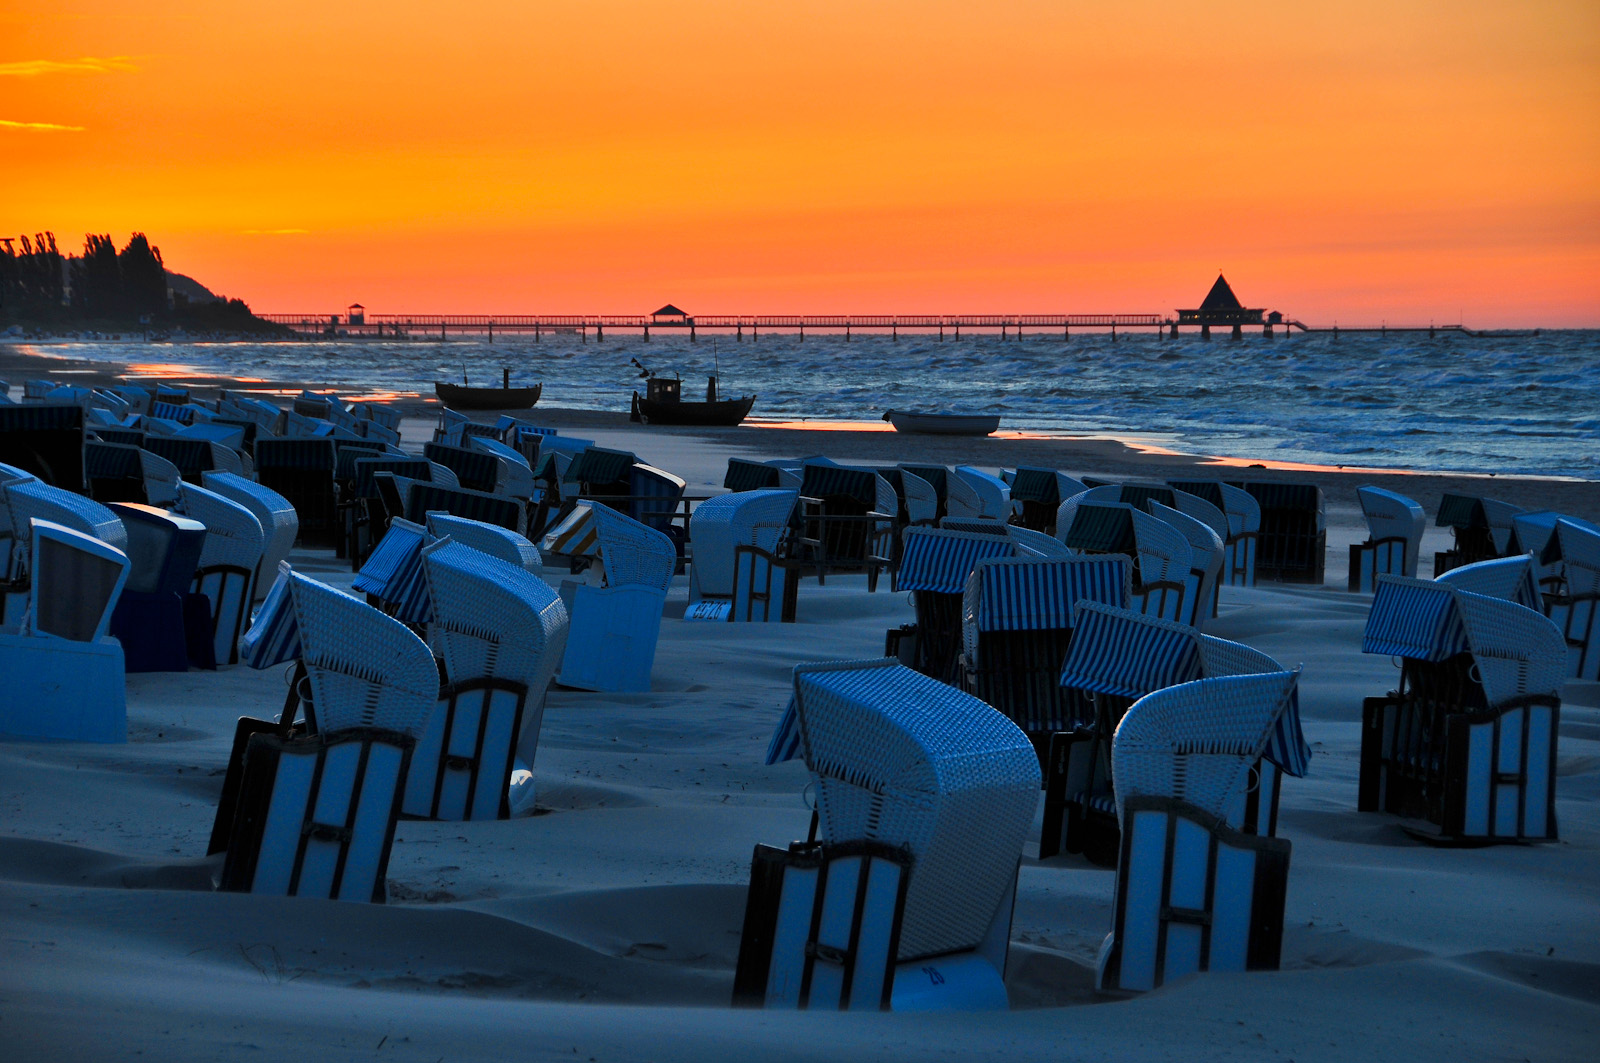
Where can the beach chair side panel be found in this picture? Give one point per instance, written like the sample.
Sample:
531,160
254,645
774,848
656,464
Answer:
461,767
765,586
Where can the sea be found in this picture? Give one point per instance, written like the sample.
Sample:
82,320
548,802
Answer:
1526,404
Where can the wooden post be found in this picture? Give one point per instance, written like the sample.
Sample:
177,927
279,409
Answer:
847,331
692,338
738,334
1205,333
894,330
1238,332
647,333
599,333
941,332
491,334
536,332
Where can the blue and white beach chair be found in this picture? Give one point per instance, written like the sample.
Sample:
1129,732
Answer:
934,567
1574,603
1394,541
903,900
280,524
611,644
229,562
1467,740
1194,892
740,569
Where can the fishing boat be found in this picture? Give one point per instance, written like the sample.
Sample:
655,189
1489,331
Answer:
505,397
942,422
663,403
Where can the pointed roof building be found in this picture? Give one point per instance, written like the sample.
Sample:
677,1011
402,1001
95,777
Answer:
1221,307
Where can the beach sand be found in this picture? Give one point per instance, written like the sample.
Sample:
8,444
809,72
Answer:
606,927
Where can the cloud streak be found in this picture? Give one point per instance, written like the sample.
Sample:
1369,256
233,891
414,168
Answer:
41,127
28,68
273,232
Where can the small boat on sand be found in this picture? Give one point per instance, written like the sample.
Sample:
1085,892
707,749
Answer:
506,397
942,422
663,403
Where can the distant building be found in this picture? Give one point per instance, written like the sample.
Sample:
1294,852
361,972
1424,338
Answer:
356,314
1221,307
670,315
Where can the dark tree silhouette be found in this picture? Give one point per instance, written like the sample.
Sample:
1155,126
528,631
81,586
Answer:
144,278
97,280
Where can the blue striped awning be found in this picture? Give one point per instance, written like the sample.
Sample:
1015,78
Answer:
1038,595
1102,529
111,461
366,486
40,417
820,481
1415,619
1287,748
474,505
394,575
941,563
191,456
1141,495
1035,485
936,475
785,743
274,635
475,469
1127,655
746,475
171,411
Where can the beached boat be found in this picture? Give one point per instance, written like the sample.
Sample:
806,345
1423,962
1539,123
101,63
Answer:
506,397
942,422
662,403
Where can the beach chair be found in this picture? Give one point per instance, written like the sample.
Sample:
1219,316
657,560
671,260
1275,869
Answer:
740,570
419,498
611,641
476,470
513,474
994,496
924,797
934,569
1511,578
45,440
746,475
1163,558
1575,601
1017,621
392,577
1482,528
280,524
163,625
118,472
1030,543
309,809
1117,657
194,457
1194,893
1243,516
1467,740
846,521
1394,539
229,563
364,515
1291,546
27,499
499,631
501,543
1036,495
301,470
1206,556
63,672
1530,532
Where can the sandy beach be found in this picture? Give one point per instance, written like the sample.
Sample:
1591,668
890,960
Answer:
606,926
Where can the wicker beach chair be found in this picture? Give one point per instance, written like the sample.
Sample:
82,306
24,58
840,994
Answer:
1575,601
1243,515
1017,619
1291,546
1206,553
163,625
25,499
45,440
1482,528
279,521
1030,543
63,672
1036,495
228,565
119,472
994,495
513,474
1467,740
491,539
309,810
847,519
1511,578
934,569
392,577
611,641
500,631
1116,657
476,470
301,470
740,568
194,457
1162,554
363,514
418,498
1394,540
900,762
1194,893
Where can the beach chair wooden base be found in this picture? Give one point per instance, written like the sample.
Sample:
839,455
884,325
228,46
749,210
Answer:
1163,598
229,589
1290,553
765,586
1192,895
461,766
1478,776
1239,560
1577,618
1374,558
316,814
611,643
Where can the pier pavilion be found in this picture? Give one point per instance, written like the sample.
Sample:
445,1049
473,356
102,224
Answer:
1222,307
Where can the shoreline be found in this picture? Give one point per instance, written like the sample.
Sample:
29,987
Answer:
1107,457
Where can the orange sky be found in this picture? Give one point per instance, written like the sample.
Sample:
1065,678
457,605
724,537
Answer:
1390,160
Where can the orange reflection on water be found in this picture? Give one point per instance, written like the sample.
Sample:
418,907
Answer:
161,370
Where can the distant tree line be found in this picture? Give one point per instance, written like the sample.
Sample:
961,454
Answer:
39,286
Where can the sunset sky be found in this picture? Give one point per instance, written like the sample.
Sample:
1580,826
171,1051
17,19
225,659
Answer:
1392,160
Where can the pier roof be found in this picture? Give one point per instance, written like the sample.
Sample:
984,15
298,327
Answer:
1221,307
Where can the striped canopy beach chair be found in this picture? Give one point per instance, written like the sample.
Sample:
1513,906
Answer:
392,577
1162,555
611,641
1206,553
1194,892
847,520
924,797
993,493
934,569
301,470
1467,740
1117,657
1574,551
279,521
491,539
1243,516
1292,544
229,562
1036,495
46,440
1511,578
310,810
1482,528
